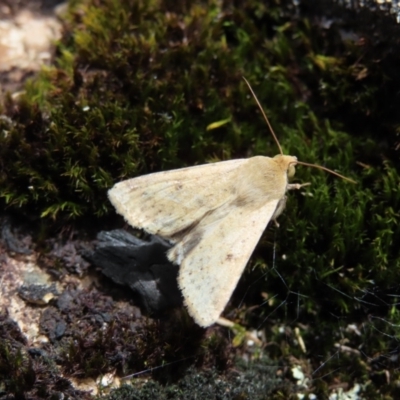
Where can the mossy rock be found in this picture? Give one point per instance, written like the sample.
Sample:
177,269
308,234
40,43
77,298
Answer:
135,85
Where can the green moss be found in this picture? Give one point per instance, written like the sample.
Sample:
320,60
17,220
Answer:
252,381
16,369
135,86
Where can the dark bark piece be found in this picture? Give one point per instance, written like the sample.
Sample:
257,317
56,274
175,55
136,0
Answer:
141,265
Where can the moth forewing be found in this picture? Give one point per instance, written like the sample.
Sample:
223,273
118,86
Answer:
166,203
210,270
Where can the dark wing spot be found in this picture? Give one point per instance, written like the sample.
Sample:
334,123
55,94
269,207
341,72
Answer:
194,240
181,233
200,202
241,201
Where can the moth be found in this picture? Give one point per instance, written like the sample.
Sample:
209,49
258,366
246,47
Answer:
214,215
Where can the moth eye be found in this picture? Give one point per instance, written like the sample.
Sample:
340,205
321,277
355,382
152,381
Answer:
291,171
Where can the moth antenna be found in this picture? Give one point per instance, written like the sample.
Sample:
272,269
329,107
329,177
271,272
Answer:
279,146
265,116
325,169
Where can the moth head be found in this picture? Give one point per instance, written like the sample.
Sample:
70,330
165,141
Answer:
287,163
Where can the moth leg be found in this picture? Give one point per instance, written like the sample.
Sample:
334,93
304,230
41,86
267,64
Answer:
278,210
296,186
